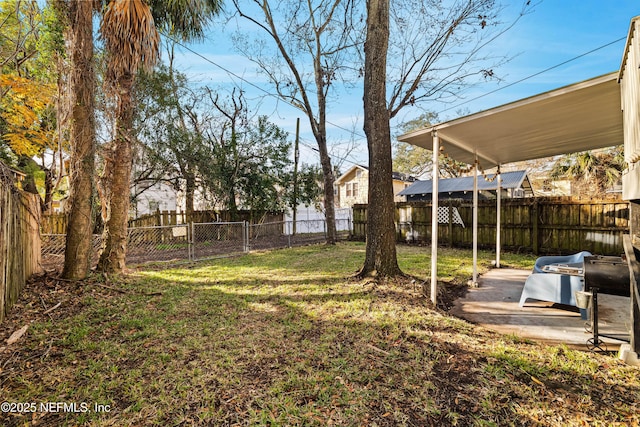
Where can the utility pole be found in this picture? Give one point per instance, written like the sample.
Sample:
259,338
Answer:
296,158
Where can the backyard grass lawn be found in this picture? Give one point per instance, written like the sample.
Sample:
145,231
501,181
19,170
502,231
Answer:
288,338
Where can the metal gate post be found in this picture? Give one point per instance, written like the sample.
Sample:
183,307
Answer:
246,237
191,240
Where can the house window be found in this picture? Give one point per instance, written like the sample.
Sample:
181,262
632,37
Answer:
355,189
154,205
358,173
349,188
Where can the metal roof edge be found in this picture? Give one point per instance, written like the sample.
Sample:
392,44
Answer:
604,78
632,28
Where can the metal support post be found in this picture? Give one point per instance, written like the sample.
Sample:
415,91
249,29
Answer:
434,220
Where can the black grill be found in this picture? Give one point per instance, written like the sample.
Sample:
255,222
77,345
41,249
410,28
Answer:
609,274
606,275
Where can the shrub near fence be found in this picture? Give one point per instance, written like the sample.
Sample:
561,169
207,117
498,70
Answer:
19,240
558,225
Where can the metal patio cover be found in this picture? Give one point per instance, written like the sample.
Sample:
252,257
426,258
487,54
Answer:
582,116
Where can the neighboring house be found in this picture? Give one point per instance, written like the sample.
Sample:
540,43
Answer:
158,196
553,187
352,187
514,185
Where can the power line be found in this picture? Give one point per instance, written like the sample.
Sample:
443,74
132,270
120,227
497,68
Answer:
534,75
356,134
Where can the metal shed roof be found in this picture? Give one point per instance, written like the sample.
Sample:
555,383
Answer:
578,117
514,179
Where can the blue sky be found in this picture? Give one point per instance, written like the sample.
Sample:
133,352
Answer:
556,31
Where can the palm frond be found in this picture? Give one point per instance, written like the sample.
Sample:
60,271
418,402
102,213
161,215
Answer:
130,36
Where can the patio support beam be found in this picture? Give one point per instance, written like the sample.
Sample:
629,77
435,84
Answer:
434,219
449,140
475,223
498,217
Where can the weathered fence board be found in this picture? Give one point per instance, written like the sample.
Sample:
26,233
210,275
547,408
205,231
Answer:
53,223
541,225
19,242
57,223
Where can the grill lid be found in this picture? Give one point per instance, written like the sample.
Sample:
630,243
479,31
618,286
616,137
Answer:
609,274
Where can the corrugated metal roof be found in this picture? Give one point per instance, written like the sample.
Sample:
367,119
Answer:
514,179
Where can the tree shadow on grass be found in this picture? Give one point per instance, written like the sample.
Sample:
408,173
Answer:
273,353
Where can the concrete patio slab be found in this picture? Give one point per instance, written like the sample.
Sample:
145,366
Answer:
494,305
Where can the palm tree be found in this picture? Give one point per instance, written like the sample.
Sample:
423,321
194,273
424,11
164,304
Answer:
593,171
131,42
129,29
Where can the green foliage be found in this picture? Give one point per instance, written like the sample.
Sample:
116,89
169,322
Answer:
167,151
247,163
186,19
50,44
309,185
20,22
594,172
212,142
261,171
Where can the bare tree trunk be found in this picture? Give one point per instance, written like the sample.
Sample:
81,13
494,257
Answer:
116,182
190,188
329,199
78,249
325,159
48,190
380,257
232,206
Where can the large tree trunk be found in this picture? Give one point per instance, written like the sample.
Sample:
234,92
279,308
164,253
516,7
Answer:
78,249
380,257
116,181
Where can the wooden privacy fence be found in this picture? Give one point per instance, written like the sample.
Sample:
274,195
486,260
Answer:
19,240
174,218
558,225
57,223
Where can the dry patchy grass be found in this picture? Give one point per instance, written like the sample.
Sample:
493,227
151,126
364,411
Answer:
286,338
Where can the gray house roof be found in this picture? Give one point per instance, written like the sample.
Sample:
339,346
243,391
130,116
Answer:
510,180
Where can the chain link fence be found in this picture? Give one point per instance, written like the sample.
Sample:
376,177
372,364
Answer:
218,239
158,243
198,241
52,249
